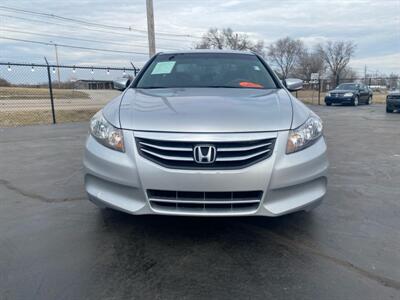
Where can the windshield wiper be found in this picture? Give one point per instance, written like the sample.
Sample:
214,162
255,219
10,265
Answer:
200,86
153,87
222,86
182,87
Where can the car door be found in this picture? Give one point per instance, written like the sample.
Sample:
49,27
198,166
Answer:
370,92
363,93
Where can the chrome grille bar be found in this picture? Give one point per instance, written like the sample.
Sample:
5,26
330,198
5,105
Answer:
222,149
204,202
238,158
178,158
166,148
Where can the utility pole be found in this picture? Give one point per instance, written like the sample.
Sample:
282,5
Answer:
365,74
58,69
57,62
150,27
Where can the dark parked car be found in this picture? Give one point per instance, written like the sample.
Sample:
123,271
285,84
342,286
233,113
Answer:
393,101
349,93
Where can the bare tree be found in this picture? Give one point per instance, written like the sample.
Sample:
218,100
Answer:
308,63
227,39
348,74
285,53
337,55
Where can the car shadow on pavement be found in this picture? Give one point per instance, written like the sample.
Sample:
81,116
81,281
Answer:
201,228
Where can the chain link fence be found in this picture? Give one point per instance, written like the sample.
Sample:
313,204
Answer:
45,94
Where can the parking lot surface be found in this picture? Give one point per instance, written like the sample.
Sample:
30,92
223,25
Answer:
54,244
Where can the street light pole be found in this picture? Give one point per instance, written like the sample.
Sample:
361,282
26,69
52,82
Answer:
150,27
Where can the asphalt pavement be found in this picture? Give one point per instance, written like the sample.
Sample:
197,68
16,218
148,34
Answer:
55,244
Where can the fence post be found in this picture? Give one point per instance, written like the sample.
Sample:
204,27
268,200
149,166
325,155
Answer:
134,69
319,91
51,92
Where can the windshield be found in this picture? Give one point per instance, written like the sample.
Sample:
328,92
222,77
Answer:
206,70
347,86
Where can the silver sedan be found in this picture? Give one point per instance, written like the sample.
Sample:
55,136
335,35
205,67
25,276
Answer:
206,133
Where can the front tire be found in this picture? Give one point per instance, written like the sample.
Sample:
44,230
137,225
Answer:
355,101
388,110
369,101
328,103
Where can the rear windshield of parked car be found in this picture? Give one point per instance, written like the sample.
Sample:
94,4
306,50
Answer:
199,70
347,86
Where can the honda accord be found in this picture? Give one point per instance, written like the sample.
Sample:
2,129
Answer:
206,133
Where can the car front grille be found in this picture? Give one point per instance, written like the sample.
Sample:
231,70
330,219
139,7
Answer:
204,202
337,94
229,155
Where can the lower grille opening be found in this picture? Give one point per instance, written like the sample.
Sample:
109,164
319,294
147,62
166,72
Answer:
166,205
189,195
204,202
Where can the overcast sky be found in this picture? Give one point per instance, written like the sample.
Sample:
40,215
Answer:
373,25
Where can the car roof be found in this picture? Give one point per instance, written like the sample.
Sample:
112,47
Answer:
226,51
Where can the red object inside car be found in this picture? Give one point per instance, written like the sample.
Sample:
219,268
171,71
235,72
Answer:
250,84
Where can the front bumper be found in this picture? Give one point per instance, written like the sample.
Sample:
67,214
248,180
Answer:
289,182
339,100
393,104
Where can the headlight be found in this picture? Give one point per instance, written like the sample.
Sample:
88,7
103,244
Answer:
328,94
105,133
348,94
305,135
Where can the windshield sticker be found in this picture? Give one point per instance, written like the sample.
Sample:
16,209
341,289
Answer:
163,67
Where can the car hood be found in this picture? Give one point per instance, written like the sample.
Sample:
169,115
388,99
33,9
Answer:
343,91
206,110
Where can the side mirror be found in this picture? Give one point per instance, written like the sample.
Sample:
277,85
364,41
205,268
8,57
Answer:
121,83
293,84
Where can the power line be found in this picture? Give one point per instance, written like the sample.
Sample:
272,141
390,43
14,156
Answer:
72,46
90,29
23,11
68,66
58,24
75,20
77,39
